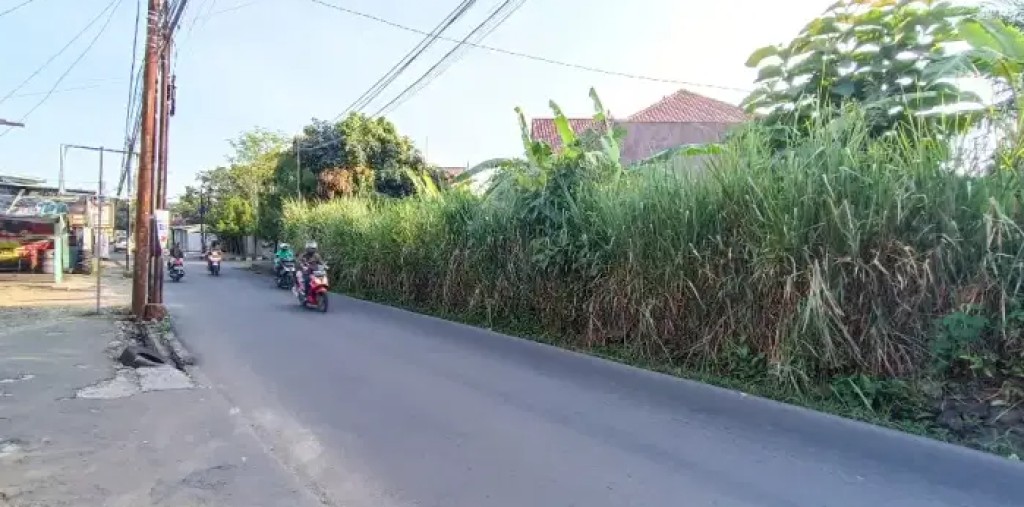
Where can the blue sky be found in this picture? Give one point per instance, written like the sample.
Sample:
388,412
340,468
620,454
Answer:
279,63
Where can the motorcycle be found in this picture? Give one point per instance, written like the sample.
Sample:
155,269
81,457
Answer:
177,270
286,274
317,295
213,263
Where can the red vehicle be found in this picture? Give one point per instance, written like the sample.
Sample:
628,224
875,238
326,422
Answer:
317,295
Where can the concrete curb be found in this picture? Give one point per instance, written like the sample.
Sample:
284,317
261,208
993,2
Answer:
150,338
179,353
166,342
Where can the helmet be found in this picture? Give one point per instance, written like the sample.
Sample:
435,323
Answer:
311,245
284,246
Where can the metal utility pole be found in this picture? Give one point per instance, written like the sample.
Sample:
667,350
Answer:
100,195
143,215
202,218
99,233
298,169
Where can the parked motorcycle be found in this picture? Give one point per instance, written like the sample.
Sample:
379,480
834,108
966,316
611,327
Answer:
177,270
286,274
213,263
317,295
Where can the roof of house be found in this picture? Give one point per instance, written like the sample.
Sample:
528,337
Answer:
687,107
681,107
543,129
452,171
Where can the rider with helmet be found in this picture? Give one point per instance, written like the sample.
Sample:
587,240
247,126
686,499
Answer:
283,254
309,258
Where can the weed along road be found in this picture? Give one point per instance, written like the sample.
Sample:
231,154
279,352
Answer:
373,406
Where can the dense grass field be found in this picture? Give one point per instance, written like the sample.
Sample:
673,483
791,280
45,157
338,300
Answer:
848,268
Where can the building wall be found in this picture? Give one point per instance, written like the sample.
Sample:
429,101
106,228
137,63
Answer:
646,139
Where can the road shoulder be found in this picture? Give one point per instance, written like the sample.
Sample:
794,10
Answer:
76,428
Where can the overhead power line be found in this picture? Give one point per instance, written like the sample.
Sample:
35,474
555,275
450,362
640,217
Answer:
517,54
485,28
133,93
112,7
16,7
56,55
171,17
389,77
100,83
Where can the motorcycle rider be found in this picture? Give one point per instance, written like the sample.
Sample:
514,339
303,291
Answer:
214,249
176,253
283,254
309,258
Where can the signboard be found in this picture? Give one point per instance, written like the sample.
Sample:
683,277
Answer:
163,230
94,215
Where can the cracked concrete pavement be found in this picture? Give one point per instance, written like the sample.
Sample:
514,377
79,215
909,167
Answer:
77,430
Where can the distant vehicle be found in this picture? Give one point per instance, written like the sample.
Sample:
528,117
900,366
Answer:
121,245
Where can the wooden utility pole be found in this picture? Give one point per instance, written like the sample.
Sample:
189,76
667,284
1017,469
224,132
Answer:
143,210
156,286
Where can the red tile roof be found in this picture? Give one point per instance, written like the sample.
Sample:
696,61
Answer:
543,129
688,107
452,171
681,107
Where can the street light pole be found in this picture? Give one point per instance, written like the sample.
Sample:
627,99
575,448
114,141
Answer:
298,167
9,123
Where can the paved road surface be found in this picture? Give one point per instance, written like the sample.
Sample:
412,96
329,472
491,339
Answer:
375,406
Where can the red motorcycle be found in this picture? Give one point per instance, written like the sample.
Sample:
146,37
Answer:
316,297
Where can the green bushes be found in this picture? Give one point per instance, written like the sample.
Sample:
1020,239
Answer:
832,260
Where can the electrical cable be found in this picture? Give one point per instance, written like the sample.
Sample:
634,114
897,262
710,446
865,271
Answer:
528,56
389,77
16,7
58,53
132,83
106,23
448,59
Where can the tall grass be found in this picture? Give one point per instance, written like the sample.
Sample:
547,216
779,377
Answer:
833,258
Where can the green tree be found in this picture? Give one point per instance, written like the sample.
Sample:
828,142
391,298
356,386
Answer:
355,145
888,55
186,209
255,158
233,217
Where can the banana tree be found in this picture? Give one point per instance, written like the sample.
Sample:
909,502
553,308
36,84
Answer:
997,51
596,152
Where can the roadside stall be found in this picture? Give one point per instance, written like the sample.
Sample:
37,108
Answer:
33,244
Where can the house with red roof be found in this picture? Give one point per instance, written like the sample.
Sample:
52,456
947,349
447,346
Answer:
679,119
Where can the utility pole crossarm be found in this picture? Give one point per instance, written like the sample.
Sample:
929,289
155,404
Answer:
9,123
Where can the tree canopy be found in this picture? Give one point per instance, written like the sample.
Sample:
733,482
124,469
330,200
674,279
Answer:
888,56
357,155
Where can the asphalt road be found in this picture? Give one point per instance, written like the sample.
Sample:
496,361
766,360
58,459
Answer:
376,406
